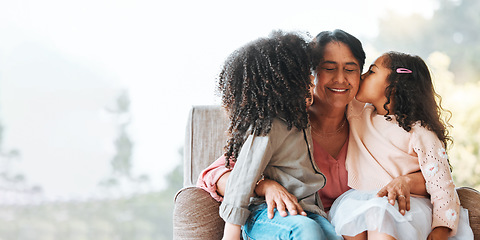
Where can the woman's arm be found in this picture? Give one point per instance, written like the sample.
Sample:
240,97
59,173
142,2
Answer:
401,187
222,183
278,197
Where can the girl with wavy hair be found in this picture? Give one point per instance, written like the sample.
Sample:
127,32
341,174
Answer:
399,131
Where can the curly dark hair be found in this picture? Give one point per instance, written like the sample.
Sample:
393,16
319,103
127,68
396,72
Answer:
414,96
265,79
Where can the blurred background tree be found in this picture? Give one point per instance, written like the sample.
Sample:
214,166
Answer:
121,178
453,29
13,184
124,210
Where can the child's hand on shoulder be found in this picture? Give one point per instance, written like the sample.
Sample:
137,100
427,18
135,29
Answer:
439,233
231,232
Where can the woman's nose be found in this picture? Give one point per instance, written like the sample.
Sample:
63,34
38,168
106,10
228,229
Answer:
340,77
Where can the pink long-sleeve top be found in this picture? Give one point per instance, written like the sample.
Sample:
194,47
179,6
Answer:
333,169
380,150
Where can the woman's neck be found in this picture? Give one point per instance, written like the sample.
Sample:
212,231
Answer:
329,128
325,119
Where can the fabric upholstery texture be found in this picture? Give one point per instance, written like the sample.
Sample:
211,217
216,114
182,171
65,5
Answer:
205,139
196,212
196,215
470,199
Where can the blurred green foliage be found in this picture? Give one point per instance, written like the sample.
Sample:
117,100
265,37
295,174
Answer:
146,216
127,209
463,101
453,30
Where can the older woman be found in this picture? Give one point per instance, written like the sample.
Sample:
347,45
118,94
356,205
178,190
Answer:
339,59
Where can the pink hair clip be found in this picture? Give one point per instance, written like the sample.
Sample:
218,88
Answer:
403,70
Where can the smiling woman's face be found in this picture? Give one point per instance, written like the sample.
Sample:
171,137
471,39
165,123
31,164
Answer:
338,76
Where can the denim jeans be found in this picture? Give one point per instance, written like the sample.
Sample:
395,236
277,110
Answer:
312,226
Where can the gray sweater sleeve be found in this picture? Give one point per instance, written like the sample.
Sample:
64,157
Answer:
252,160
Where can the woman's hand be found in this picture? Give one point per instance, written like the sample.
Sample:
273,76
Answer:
400,189
441,233
277,196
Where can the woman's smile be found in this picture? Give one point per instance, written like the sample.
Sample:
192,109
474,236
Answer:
338,90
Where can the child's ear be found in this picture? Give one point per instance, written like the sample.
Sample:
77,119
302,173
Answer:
312,89
312,81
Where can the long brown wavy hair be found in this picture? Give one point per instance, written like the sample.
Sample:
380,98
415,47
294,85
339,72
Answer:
414,96
265,79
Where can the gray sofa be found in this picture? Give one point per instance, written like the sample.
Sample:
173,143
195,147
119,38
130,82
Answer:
196,212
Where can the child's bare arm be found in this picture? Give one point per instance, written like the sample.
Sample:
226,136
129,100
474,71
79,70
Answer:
231,232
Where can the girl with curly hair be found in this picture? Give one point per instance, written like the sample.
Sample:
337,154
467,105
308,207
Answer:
399,131
264,87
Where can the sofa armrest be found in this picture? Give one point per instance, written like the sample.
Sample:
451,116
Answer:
470,199
195,215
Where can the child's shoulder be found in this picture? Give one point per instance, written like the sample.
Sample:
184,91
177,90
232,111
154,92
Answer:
419,129
280,127
355,108
279,124
422,133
